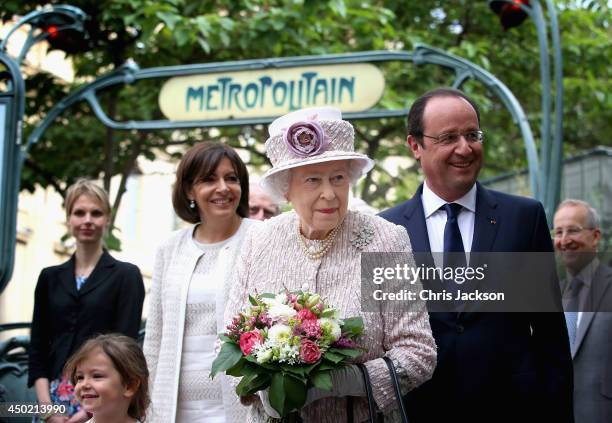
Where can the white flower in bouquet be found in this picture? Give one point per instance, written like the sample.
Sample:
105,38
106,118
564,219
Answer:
276,300
330,328
263,354
279,333
289,354
282,312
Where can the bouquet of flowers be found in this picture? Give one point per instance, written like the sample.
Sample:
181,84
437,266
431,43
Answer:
288,343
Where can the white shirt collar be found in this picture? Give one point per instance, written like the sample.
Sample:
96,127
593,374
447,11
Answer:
432,203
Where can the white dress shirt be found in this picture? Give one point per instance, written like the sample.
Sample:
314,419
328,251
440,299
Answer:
435,219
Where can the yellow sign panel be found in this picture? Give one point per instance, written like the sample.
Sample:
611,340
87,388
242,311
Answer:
271,92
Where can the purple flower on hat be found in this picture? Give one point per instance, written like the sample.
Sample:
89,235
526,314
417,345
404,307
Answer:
306,138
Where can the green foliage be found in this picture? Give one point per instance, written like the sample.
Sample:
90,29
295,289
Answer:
170,32
353,325
228,357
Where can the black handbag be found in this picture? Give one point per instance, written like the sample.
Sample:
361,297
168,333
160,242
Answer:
374,414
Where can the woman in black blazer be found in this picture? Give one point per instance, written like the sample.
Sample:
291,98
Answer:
91,293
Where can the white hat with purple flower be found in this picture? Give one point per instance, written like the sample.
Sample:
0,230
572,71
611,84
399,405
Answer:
310,136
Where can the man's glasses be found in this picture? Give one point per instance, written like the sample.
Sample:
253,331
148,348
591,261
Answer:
451,138
570,232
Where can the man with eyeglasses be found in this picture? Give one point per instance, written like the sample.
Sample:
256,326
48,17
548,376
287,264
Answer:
587,298
261,205
492,367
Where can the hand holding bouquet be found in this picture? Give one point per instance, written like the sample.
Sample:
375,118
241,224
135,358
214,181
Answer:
288,343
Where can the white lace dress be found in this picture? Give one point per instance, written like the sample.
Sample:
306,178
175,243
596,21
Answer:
200,398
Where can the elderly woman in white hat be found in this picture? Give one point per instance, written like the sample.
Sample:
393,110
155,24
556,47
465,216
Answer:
319,244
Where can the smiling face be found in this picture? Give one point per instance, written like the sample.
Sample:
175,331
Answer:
574,240
450,170
87,221
319,193
99,387
217,195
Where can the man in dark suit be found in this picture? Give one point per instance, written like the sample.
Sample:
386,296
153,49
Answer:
492,367
587,298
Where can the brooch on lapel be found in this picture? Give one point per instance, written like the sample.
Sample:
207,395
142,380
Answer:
362,236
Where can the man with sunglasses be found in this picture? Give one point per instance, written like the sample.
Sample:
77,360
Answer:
587,299
492,367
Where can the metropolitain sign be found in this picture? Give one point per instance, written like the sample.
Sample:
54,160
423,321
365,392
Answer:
271,92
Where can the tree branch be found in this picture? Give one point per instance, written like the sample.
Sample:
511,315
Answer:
48,177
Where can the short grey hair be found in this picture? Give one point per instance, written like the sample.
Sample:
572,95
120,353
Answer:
593,220
277,185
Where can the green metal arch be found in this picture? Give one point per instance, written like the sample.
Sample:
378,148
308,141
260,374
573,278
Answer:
12,100
130,73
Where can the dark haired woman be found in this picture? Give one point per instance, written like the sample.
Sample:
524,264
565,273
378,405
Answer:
189,288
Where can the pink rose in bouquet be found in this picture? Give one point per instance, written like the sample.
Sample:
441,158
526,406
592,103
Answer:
248,340
305,314
309,351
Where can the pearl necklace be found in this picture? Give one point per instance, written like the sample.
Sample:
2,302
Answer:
327,243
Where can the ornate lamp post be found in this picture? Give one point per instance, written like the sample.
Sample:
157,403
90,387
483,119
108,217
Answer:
46,23
512,13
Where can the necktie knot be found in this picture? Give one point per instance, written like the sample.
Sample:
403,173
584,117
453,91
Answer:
452,234
575,287
452,210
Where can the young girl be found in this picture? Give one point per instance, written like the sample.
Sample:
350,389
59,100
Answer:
111,379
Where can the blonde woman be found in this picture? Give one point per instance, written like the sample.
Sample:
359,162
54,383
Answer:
91,293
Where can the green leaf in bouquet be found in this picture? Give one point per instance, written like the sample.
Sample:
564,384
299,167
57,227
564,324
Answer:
329,313
264,365
295,395
327,366
322,380
224,338
286,393
267,295
228,357
253,300
299,371
252,383
348,352
310,368
277,393
333,357
242,368
353,325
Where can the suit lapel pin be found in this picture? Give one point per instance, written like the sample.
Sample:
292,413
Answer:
493,221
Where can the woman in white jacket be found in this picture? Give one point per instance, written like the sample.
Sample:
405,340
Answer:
189,288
